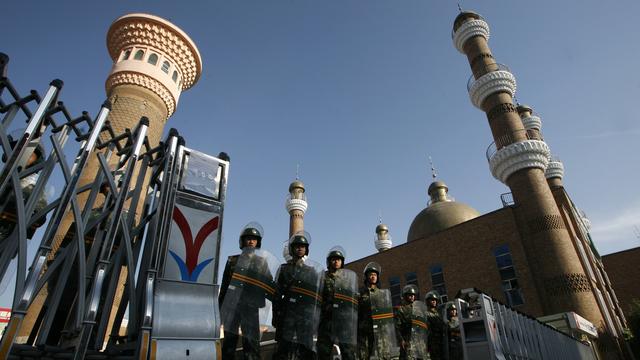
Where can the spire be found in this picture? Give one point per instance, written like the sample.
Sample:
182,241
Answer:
434,174
296,205
382,241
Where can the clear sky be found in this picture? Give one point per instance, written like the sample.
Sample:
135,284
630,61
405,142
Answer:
360,93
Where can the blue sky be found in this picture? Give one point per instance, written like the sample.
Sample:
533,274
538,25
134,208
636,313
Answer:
360,93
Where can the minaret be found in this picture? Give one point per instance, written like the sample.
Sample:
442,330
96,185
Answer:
519,159
296,205
533,124
383,239
153,62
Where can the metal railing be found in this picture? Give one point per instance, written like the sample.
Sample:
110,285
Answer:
510,138
486,68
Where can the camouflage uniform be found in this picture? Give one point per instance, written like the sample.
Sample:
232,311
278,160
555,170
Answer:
366,340
245,312
455,344
247,319
405,321
437,334
325,330
289,275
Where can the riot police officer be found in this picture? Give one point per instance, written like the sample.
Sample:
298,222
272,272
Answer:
411,325
376,329
338,316
437,327
455,344
296,309
247,286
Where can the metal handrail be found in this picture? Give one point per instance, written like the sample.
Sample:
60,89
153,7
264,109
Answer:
487,69
510,138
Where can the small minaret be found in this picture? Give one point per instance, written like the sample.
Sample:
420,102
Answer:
296,205
519,159
383,239
533,125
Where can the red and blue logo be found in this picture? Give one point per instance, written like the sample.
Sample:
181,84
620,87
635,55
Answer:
190,269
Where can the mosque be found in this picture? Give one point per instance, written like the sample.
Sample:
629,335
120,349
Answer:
534,254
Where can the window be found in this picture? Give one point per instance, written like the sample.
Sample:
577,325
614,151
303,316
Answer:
139,55
396,292
437,282
510,286
126,54
174,77
411,278
165,66
153,59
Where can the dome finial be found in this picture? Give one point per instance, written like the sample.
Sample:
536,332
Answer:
434,175
298,171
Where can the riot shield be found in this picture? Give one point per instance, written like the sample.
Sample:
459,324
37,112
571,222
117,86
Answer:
247,302
345,307
418,346
298,315
384,332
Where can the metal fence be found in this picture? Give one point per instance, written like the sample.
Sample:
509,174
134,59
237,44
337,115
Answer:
491,330
97,259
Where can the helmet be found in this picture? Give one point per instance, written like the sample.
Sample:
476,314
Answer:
451,306
302,238
433,294
409,290
372,266
252,229
336,252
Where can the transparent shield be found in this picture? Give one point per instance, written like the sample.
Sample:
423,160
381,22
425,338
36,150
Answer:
247,303
345,307
418,346
297,312
384,331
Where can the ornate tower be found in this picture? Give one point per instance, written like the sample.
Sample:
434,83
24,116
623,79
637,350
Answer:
153,62
519,158
383,239
296,205
533,124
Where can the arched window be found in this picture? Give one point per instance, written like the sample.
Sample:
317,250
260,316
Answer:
165,66
153,59
126,54
139,55
175,76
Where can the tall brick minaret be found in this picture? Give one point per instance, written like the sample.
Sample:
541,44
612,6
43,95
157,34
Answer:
519,160
296,205
153,62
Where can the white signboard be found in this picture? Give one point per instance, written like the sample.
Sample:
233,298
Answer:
581,324
193,242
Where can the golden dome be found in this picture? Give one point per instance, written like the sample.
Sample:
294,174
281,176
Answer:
442,213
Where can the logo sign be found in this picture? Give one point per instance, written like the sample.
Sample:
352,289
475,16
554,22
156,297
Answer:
192,245
5,315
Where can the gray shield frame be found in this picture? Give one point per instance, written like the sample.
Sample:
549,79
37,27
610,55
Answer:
247,303
418,347
384,330
345,307
302,310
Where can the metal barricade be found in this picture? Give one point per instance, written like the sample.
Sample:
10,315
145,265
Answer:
491,330
117,271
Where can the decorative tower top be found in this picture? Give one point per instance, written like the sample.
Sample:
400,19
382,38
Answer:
152,53
383,239
296,205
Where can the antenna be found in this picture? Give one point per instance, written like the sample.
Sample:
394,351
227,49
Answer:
459,8
379,216
298,171
636,231
434,175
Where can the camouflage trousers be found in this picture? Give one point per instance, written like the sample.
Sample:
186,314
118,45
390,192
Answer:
325,346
